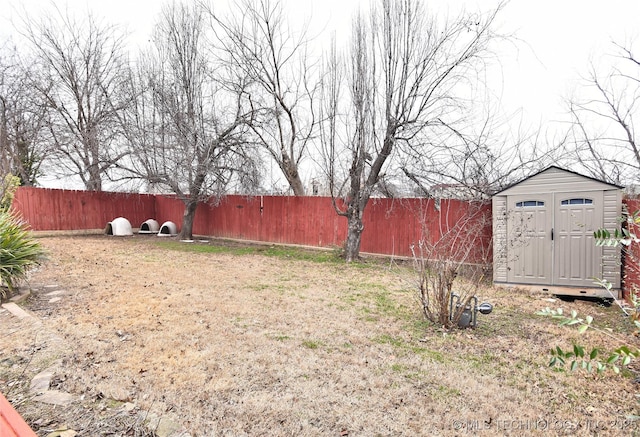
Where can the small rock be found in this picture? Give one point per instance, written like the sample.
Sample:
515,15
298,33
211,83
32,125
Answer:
55,397
16,310
128,406
63,432
164,427
56,293
41,381
18,298
119,394
55,299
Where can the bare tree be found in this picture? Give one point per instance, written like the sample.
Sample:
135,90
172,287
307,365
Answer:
188,123
402,74
478,158
602,132
262,46
22,120
81,68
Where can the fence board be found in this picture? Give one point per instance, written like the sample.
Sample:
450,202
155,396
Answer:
631,256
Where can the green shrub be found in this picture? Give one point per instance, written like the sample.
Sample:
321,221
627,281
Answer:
19,251
8,188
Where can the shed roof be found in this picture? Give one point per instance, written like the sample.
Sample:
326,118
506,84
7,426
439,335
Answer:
556,169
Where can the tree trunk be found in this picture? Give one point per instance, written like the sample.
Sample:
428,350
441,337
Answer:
186,232
94,182
354,232
4,141
290,171
296,185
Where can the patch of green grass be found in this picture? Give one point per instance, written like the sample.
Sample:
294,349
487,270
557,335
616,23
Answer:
448,392
311,344
387,306
498,322
281,337
204,248
428,353
420,325
387,339
282,252
480,361
399,368
373,300
405,347
287,252
410,372
260,287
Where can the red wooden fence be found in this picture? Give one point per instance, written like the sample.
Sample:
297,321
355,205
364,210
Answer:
391,226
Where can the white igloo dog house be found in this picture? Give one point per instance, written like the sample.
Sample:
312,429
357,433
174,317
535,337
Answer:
119,226
168,229
149,226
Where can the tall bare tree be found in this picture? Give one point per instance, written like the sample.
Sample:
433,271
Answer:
262,46
188,123
81,69
22,120
603,133
402,75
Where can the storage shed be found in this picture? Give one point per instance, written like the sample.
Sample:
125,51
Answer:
543,234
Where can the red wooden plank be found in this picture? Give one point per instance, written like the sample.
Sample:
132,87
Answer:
11,423
631,267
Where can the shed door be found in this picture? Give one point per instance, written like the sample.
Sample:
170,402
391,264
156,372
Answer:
551,238
529,223
576,257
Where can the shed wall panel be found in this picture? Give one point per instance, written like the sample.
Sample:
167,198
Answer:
611,265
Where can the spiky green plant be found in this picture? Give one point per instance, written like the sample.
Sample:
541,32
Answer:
8,187
19,251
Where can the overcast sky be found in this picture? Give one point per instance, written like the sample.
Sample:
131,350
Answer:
557,38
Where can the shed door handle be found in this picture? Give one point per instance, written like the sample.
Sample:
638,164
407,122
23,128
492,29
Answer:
551,234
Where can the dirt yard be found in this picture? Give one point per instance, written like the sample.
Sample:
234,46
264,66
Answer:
149,339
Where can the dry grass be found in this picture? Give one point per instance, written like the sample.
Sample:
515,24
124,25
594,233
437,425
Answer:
240,343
